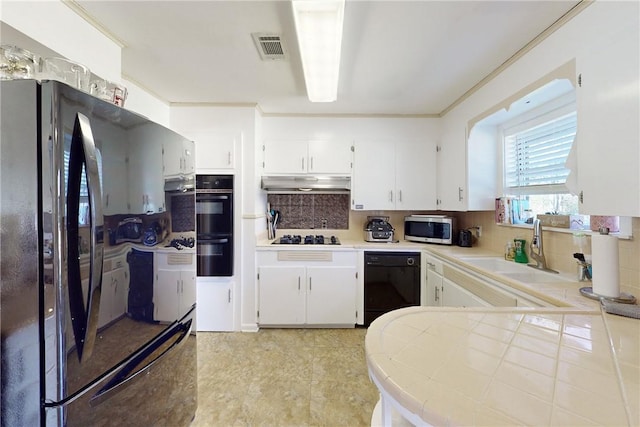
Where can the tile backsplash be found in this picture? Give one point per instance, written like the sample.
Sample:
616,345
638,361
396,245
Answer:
311,211
183,212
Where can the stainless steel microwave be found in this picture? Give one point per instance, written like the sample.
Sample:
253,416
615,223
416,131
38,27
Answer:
430,229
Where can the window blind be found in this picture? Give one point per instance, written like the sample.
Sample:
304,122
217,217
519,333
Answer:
535,157
84,189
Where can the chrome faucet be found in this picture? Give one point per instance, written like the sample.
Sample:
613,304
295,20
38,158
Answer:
537,250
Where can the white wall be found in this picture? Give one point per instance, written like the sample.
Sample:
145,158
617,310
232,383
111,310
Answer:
57,27
51,29
145,104
561,47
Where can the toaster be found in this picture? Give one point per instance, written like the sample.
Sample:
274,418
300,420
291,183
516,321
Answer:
378,229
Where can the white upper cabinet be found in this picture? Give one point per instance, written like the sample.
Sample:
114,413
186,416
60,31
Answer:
146,180
608,122
215,150
394,175
468,169
317,156
178,158
452,170
415,175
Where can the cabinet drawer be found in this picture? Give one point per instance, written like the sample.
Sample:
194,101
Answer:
479,288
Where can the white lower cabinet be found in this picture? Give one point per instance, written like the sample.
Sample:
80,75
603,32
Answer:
297,288
456,296
449,285
174,287
215,304
113,298
282,295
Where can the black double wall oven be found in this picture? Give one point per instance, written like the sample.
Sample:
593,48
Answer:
214,225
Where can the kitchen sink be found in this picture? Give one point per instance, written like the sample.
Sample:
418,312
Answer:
534,276
493,264
513,270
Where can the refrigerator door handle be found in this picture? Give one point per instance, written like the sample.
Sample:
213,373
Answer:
128,374
84,308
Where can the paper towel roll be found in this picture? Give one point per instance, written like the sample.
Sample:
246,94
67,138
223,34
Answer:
605,270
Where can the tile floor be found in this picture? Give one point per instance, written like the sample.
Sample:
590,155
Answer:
284,377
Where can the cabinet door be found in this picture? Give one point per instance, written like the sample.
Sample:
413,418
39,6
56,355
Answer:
120,292
106,299
115,196
189,158
415,166
433,297
452,170
455,296
146,179
285,156
330,157
331,295
215,151
373,176
281,295
608,122
215,305
187,290
166,293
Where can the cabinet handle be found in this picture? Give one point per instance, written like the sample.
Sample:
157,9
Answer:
309,284
107,201
303,164
459,194
391,195
311,166
229,300
437,296
400,196
431,265
298,282
229,158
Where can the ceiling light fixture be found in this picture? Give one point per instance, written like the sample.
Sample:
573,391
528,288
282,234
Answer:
319,29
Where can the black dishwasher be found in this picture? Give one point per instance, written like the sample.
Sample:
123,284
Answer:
391,281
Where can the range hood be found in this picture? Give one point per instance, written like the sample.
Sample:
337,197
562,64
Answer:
179,185
306,184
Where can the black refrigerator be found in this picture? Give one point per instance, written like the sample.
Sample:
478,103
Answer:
77,172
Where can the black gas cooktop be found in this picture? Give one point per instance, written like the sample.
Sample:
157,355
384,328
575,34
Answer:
307,240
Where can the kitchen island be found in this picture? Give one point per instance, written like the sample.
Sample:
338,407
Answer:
506,366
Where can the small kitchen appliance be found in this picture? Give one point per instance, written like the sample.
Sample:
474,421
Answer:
465,238
430,229
378,229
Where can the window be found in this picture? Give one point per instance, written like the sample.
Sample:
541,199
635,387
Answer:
535,149
84,189
535,156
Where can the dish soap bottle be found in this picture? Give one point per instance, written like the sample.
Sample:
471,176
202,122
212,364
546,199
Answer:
521,253
509,251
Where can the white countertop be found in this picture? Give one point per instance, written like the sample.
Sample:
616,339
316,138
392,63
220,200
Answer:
567,365
560,366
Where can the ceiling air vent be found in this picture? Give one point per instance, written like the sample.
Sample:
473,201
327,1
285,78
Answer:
270,46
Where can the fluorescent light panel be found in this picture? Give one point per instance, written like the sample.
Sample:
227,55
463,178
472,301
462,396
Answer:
319,29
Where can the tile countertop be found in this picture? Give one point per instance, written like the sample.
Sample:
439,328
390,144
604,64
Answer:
568,365
478,366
